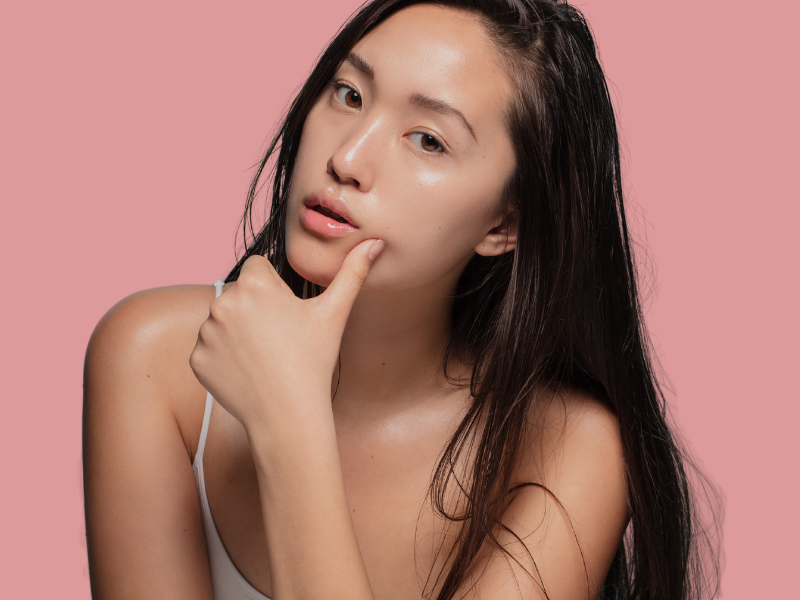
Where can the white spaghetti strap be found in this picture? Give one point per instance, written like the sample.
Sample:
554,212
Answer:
201,444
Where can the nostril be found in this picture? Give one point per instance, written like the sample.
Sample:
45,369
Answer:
332,172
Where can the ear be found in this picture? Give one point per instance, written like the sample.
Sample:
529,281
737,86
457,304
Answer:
501,238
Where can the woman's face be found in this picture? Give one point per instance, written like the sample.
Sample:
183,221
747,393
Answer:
408,143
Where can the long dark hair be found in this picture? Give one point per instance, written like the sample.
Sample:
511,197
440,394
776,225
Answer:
561,309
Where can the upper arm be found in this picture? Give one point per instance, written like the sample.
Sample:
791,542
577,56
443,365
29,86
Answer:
143,521
567,529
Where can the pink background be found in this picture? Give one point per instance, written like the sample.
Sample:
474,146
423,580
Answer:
126,135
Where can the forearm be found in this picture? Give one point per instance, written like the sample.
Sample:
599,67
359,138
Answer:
313,551
260,336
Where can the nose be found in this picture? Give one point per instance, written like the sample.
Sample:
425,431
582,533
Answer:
354,160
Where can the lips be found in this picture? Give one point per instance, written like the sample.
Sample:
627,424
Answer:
330,207
327,216
329,213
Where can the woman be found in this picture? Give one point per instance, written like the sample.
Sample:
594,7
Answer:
429,371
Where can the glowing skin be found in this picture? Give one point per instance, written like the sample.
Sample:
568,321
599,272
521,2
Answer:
432,199
317,499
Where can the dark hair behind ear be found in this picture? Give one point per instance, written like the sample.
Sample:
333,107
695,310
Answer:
562,309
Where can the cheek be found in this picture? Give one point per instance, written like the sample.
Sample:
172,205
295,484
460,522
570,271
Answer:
450,212
437,220
314,260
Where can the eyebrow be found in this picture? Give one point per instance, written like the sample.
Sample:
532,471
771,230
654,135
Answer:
444,108
357,61
360,64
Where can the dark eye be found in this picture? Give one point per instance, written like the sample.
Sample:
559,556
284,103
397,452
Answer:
348,96
426,141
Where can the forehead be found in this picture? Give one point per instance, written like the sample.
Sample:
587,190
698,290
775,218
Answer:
440,52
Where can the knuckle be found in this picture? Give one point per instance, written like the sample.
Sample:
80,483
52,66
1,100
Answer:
217,314
202,335
252,280
213,311
245,280
253,259
218,308
195,360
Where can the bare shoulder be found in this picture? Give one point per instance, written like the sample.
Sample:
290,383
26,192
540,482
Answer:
143,411
580,425
153,317
575,450
569,519
571,429
144,343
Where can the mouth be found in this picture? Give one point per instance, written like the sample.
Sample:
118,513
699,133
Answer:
330,207
326,215
329,213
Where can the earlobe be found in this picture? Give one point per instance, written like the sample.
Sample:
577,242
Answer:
502,238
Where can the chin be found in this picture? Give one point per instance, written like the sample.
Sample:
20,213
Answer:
314,267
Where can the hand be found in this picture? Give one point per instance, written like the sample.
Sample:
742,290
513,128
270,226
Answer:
267,355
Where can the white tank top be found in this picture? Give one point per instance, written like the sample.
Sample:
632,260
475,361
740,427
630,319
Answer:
226,580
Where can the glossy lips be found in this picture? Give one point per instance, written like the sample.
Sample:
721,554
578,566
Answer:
326,215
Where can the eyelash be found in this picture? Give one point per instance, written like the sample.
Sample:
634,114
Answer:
338,85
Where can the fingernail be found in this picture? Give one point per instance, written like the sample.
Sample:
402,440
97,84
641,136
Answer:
376,249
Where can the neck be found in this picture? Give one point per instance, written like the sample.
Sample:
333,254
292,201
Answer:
392,349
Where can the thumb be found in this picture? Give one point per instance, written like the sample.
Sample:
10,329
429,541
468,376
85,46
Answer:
343,290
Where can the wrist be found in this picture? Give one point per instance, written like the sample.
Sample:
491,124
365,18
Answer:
279,415
298,441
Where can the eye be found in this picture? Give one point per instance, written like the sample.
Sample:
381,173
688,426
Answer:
347,95
426,142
